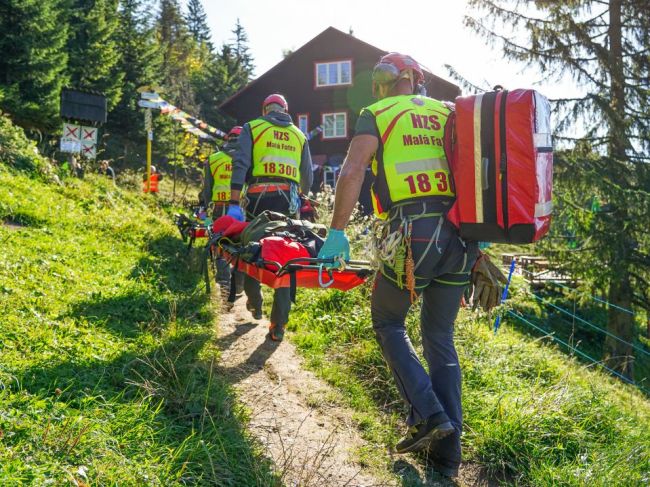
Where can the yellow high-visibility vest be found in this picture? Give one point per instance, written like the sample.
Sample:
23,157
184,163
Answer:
410,163
277,151
221,170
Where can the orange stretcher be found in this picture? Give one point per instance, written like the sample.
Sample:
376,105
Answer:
301,272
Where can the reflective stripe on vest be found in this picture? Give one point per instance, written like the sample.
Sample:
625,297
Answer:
277,151
411,162
221,170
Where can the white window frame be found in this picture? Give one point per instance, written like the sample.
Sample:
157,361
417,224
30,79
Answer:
339,73
305,117
335,135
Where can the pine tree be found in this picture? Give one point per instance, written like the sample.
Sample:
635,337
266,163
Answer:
212,88
180,55
197,22
140,62
242,53
603,46
92,50
32,61
233,67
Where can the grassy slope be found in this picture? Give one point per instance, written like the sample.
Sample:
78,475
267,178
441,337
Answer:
107,347
531,413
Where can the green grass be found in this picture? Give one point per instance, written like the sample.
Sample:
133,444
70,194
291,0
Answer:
107,346
532,415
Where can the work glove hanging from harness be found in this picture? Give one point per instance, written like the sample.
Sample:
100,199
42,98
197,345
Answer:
336,245
487,283
235,212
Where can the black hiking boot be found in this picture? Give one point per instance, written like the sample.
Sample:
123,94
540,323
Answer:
420,436
256,312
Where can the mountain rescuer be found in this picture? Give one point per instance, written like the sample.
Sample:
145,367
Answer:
216,194
217,174
154,179
420,252
273,160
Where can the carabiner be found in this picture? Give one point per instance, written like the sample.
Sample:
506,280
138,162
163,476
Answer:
320,277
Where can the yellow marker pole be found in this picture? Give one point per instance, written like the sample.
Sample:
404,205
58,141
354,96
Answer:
149,137
149,128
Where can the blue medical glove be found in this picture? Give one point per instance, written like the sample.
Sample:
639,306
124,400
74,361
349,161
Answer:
336,245
235,212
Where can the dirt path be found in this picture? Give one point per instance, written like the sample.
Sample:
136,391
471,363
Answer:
310,438
310,445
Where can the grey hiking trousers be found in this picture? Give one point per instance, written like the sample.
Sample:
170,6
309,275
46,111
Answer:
442,276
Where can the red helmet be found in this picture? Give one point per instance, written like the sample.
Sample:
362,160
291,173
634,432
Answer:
234,132
392,65
275,99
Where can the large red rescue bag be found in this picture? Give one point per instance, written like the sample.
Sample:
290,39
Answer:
502,165
280,250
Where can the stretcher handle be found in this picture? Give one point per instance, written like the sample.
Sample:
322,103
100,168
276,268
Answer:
316,263
328,260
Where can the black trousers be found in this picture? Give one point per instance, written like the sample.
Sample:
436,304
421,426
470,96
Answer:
231,282
274,201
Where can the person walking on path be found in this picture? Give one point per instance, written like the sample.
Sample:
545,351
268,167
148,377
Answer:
273,161
421,254
216,197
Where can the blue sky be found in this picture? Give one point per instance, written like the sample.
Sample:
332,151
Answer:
431,31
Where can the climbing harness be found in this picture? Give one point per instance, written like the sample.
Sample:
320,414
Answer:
292,197
394,249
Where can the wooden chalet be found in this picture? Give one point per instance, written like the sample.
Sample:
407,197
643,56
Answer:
326,82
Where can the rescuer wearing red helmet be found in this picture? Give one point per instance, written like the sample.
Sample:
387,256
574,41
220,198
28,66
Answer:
274,162
402,136
216,194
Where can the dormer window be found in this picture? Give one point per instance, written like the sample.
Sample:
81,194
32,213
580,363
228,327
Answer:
334,73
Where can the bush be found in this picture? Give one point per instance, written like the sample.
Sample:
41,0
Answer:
17,151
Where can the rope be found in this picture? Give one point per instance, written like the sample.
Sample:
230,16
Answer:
596,327
393,249
409,265
595,298
294,199
579,352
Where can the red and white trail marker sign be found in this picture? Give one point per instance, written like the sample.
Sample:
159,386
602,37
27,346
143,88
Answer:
88,150
71,142
89,134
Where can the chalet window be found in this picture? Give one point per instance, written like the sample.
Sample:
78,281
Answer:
335,125
334,73
303,122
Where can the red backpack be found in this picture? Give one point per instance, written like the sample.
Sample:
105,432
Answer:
502,164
